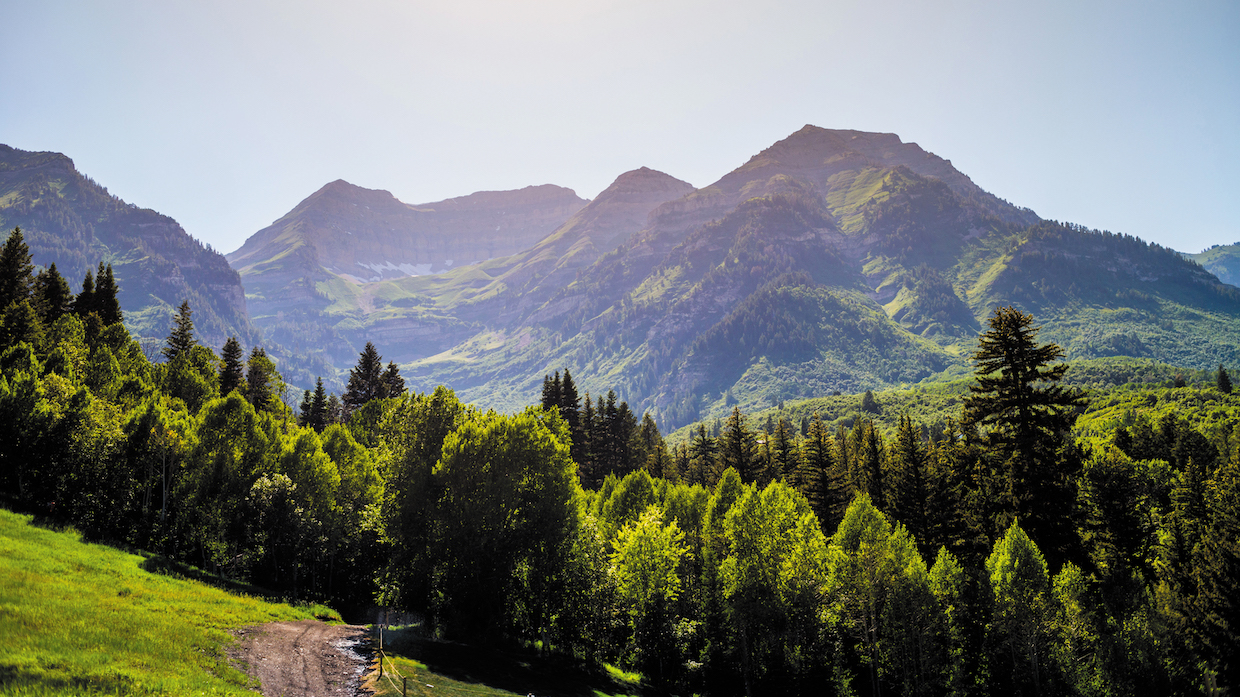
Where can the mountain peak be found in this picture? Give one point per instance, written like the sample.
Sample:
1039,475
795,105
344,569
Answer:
646,182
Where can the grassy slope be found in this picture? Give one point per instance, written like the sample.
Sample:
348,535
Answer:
79,618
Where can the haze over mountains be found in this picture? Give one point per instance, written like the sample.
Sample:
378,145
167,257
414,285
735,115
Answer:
832,260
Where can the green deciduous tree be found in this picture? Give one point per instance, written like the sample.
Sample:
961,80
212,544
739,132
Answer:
504,522
646,557
1020,588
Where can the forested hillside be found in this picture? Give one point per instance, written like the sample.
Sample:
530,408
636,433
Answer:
71,221
992,553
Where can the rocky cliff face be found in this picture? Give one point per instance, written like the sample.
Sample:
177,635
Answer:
367,235
70,220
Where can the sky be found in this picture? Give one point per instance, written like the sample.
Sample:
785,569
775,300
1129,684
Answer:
1122,116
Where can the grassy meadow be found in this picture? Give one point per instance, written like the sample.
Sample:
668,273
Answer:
81,618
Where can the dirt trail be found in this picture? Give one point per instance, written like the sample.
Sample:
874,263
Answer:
304,659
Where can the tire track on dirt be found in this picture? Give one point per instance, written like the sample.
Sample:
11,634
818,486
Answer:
304,659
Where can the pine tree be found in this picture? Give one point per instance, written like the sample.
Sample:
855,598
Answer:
84,304
52,296
588,463
181,338
622,427
869,404
392,380
16,270
258,382
571,411
738,448
1223,380
365,380
21,323
232,369
551,391
334,411
702,469
783,460
819,481
1026,418
909,504
303,409
319,407
106,302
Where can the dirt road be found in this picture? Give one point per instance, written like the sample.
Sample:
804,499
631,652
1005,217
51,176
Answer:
304,659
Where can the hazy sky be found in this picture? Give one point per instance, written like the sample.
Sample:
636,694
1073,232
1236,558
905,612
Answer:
224,115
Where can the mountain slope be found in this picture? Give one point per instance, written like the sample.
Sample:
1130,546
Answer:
837,261
1222,261
831,261
303,304
68,219
366,235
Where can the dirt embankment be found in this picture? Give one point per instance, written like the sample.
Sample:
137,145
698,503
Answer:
304,659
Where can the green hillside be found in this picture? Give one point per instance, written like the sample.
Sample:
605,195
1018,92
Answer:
79,618
1222,260
70,220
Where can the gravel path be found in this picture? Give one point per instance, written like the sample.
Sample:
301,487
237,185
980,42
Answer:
304,659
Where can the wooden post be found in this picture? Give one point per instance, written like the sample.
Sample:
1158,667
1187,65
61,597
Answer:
404,687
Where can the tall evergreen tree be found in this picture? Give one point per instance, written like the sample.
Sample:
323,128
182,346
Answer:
263,382
738,448
622,426
16,270
319,407
818,479
703,469
52,297
232,367
181,338
570,409
1025,417
783,448
909,490
551,391
335,410
392,380
107,302
1223,380
365,380
303,409
258,379
84,303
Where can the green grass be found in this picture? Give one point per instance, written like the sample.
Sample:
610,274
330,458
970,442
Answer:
79,618
447,668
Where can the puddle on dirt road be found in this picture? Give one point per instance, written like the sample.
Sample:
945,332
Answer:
359,653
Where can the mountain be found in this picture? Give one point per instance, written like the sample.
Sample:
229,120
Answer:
1222,260
836,260
302,302
68,219
365,235
831,261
